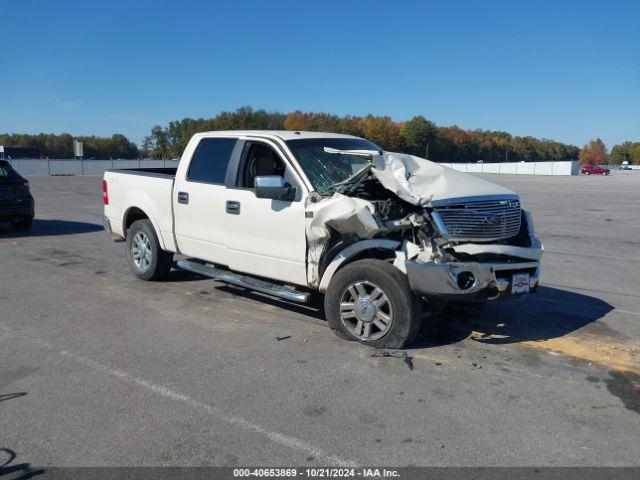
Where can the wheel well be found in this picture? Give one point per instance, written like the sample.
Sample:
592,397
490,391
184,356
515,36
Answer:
133,215
374,252
379,253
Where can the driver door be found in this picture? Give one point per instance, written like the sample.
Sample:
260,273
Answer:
265,237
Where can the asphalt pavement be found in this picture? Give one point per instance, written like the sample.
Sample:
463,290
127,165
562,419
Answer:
98,368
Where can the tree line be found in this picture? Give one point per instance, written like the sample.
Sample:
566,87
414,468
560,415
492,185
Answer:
417,136
61,146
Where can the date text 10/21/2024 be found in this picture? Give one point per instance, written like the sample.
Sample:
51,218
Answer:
316,472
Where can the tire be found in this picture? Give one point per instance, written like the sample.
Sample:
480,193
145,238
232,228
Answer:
146,259
388,313
22,224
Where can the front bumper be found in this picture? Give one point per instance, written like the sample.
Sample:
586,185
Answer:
490,280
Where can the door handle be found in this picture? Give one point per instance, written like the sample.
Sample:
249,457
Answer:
233,207
183,197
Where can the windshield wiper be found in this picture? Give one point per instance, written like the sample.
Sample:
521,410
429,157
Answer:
356,177
357,153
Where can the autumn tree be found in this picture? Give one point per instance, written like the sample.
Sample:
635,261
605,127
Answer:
594,153
296,121
383,132
350,125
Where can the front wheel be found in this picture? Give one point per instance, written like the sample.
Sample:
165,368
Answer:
147,260
370,301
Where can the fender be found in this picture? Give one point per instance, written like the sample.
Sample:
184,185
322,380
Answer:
351,251
149,217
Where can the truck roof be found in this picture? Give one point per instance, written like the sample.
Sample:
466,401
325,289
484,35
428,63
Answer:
283,134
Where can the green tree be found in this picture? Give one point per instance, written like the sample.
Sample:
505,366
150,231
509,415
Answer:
157,144
627,151
417,134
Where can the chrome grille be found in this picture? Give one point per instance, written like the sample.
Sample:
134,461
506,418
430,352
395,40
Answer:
480,220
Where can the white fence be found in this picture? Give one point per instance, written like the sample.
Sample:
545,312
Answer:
519,168
36,167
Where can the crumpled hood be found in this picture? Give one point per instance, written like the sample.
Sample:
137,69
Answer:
421,182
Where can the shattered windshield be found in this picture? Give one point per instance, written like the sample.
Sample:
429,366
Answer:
325,169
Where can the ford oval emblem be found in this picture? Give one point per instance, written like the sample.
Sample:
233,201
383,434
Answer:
491,219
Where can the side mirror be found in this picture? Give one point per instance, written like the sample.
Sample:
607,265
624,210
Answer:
273,187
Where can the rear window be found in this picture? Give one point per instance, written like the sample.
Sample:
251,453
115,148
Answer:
6,171
210,160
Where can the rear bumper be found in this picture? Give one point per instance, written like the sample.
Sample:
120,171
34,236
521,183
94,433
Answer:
24,209
490,280
106,223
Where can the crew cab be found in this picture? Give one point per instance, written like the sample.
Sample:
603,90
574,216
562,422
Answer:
16,202
594,170
382,236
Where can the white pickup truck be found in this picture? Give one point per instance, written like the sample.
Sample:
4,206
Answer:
382,235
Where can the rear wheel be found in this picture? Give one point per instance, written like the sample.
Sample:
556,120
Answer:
370,301
22,224
147,260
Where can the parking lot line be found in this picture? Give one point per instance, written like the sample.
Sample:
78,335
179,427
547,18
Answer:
277,437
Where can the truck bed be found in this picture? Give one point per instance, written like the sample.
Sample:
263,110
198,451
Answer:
144,191
147,172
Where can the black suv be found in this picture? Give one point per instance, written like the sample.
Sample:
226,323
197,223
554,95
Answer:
16,202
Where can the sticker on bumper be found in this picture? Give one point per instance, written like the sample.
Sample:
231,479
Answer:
520,283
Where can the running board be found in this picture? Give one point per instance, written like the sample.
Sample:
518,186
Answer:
282,291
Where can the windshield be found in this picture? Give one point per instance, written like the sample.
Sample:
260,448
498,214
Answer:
325,169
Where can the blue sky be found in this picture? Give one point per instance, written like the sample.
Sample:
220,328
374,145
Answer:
565,70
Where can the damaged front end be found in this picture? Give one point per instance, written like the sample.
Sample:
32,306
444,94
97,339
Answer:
455,236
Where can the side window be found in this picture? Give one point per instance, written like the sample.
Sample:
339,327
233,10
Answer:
258,159
210,160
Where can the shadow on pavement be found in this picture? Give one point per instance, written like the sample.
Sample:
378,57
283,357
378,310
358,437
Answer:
550,313
43,228
17,471
312,310
178,275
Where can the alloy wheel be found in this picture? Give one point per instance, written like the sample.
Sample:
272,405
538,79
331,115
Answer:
365,310
141,251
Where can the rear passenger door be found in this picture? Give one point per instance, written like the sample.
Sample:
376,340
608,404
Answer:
199,200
